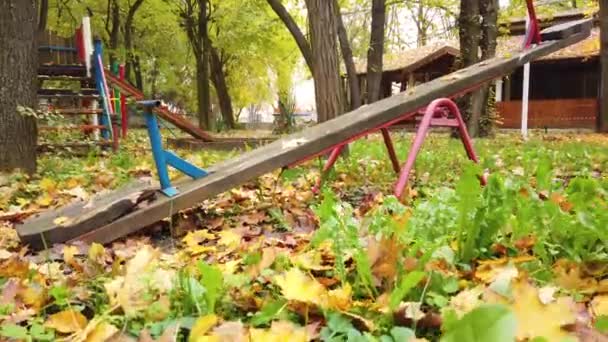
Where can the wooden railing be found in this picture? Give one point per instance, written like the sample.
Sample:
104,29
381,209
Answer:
562,113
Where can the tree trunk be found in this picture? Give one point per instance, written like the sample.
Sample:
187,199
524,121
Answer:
139,80
43,15
375,53
115,31
295,31
349,63
18,68
479,123
421,26
221,88
128,30
326,70
489,34
603,108
469,31
203,92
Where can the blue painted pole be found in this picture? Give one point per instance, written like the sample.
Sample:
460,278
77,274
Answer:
104,118
158,153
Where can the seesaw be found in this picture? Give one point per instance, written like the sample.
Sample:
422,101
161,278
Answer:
128,210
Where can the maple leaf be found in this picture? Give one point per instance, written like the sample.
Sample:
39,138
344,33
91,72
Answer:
599,305
195,242
230,239
201,327
534,318
298,286
280,331
142,274
67,321
69,253
99,331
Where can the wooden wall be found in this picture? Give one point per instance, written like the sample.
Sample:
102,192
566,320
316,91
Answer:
561,113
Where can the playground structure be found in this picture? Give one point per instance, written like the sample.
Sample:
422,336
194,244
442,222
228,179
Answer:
127,210
77,62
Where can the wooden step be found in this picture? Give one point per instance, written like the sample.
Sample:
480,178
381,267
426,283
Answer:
64,78
70,96
72,128
53,48
76,111
62,91
75,70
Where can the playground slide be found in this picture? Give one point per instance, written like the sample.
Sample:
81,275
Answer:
163,113
316,140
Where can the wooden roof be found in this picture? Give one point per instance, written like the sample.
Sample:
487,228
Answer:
412,59
587,48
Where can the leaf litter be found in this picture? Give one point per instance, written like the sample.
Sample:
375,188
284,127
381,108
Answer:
271,261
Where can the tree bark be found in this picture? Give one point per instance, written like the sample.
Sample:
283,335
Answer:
603,107
128,30
114,31
349,63
295,31
139,80
221,88
326,71
203,91
18,68
469,31
43,15
375,53
479,123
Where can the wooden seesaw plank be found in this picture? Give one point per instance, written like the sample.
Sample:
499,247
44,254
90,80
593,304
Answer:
298,146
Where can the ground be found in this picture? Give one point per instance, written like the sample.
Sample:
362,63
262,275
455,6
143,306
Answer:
522,258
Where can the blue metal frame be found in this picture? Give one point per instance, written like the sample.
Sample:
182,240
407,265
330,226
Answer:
162,157
104,119
57,48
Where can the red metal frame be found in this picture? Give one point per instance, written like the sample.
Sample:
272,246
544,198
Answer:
440,113
533,31
79,40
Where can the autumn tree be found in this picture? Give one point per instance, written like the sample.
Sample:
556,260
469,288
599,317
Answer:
349,62
321,53
375,53
18,67
477,28
195,18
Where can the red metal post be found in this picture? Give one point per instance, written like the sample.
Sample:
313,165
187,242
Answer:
80,45
333,157
435,108
123,103
533,32
390,148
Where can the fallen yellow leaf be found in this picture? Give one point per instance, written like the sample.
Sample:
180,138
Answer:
44,200
340,298
280,331
102,332
97,253
61,220
68,256
201,327
66,322
296,285
599,306
534,318
48,185
230,239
